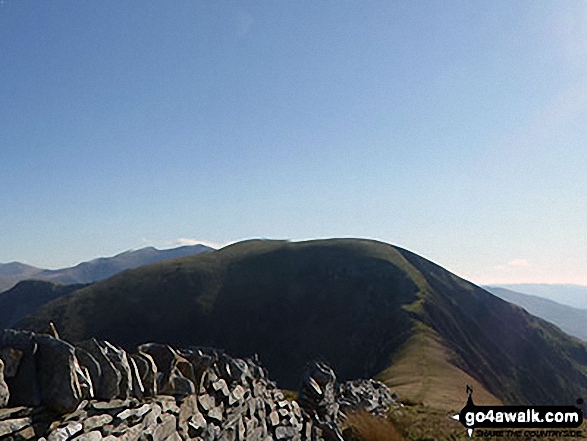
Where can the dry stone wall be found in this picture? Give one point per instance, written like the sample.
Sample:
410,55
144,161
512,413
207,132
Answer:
53,391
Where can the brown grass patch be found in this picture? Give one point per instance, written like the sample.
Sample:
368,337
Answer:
362,426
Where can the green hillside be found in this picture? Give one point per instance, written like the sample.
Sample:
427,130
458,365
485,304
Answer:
26,296
366,307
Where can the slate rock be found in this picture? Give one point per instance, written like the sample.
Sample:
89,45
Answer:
166,428
137,389
8,427
94,435
11,358
110,378
148,373
56,373
4,393
91,367
96,421
119,359
23,386
284,432
66,432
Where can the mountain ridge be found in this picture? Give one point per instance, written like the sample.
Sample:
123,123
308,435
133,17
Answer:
568,294
93,270
356,303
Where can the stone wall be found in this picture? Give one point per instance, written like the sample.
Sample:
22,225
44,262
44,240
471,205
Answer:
52,390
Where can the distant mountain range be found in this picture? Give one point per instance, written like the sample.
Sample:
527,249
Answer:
571,320
94,270
366,307
572,295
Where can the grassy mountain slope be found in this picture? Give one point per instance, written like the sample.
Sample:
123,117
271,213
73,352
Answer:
27,296
571,320
364,306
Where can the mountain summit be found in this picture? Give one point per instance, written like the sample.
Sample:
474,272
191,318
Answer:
366,307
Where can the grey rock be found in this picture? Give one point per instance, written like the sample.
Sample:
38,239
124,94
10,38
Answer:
25,434
236,395
148,373
215,414
177,373
134,414
251,424
91,366
66,432
284,432
206,402
96,421
256,434
373,396
318,393
94,435
11,358
110,405
152,416
110,378
77,415
221,387
15,413
274,418
9,427
168,405
197,424
119,359
137,389
57,376
85,381
4,393
23,386
165,429
179,385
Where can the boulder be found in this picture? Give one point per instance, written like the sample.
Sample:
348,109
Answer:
318,397
176,373
18,349
90,366
108,386
370,395
147,370
137,389
119,359
318,391
57,374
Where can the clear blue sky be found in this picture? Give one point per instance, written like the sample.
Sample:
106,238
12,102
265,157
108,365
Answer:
456,129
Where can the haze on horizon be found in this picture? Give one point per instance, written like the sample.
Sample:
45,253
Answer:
453,129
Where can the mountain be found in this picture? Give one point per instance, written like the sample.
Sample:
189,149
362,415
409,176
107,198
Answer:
571,320
11,273
571,295
27,296
94,270
366,307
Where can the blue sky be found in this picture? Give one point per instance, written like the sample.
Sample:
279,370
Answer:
454,129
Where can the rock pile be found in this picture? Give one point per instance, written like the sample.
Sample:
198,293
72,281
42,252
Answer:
96,390
326,401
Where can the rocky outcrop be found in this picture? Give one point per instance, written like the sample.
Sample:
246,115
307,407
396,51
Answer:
98,391
4,393
326,401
